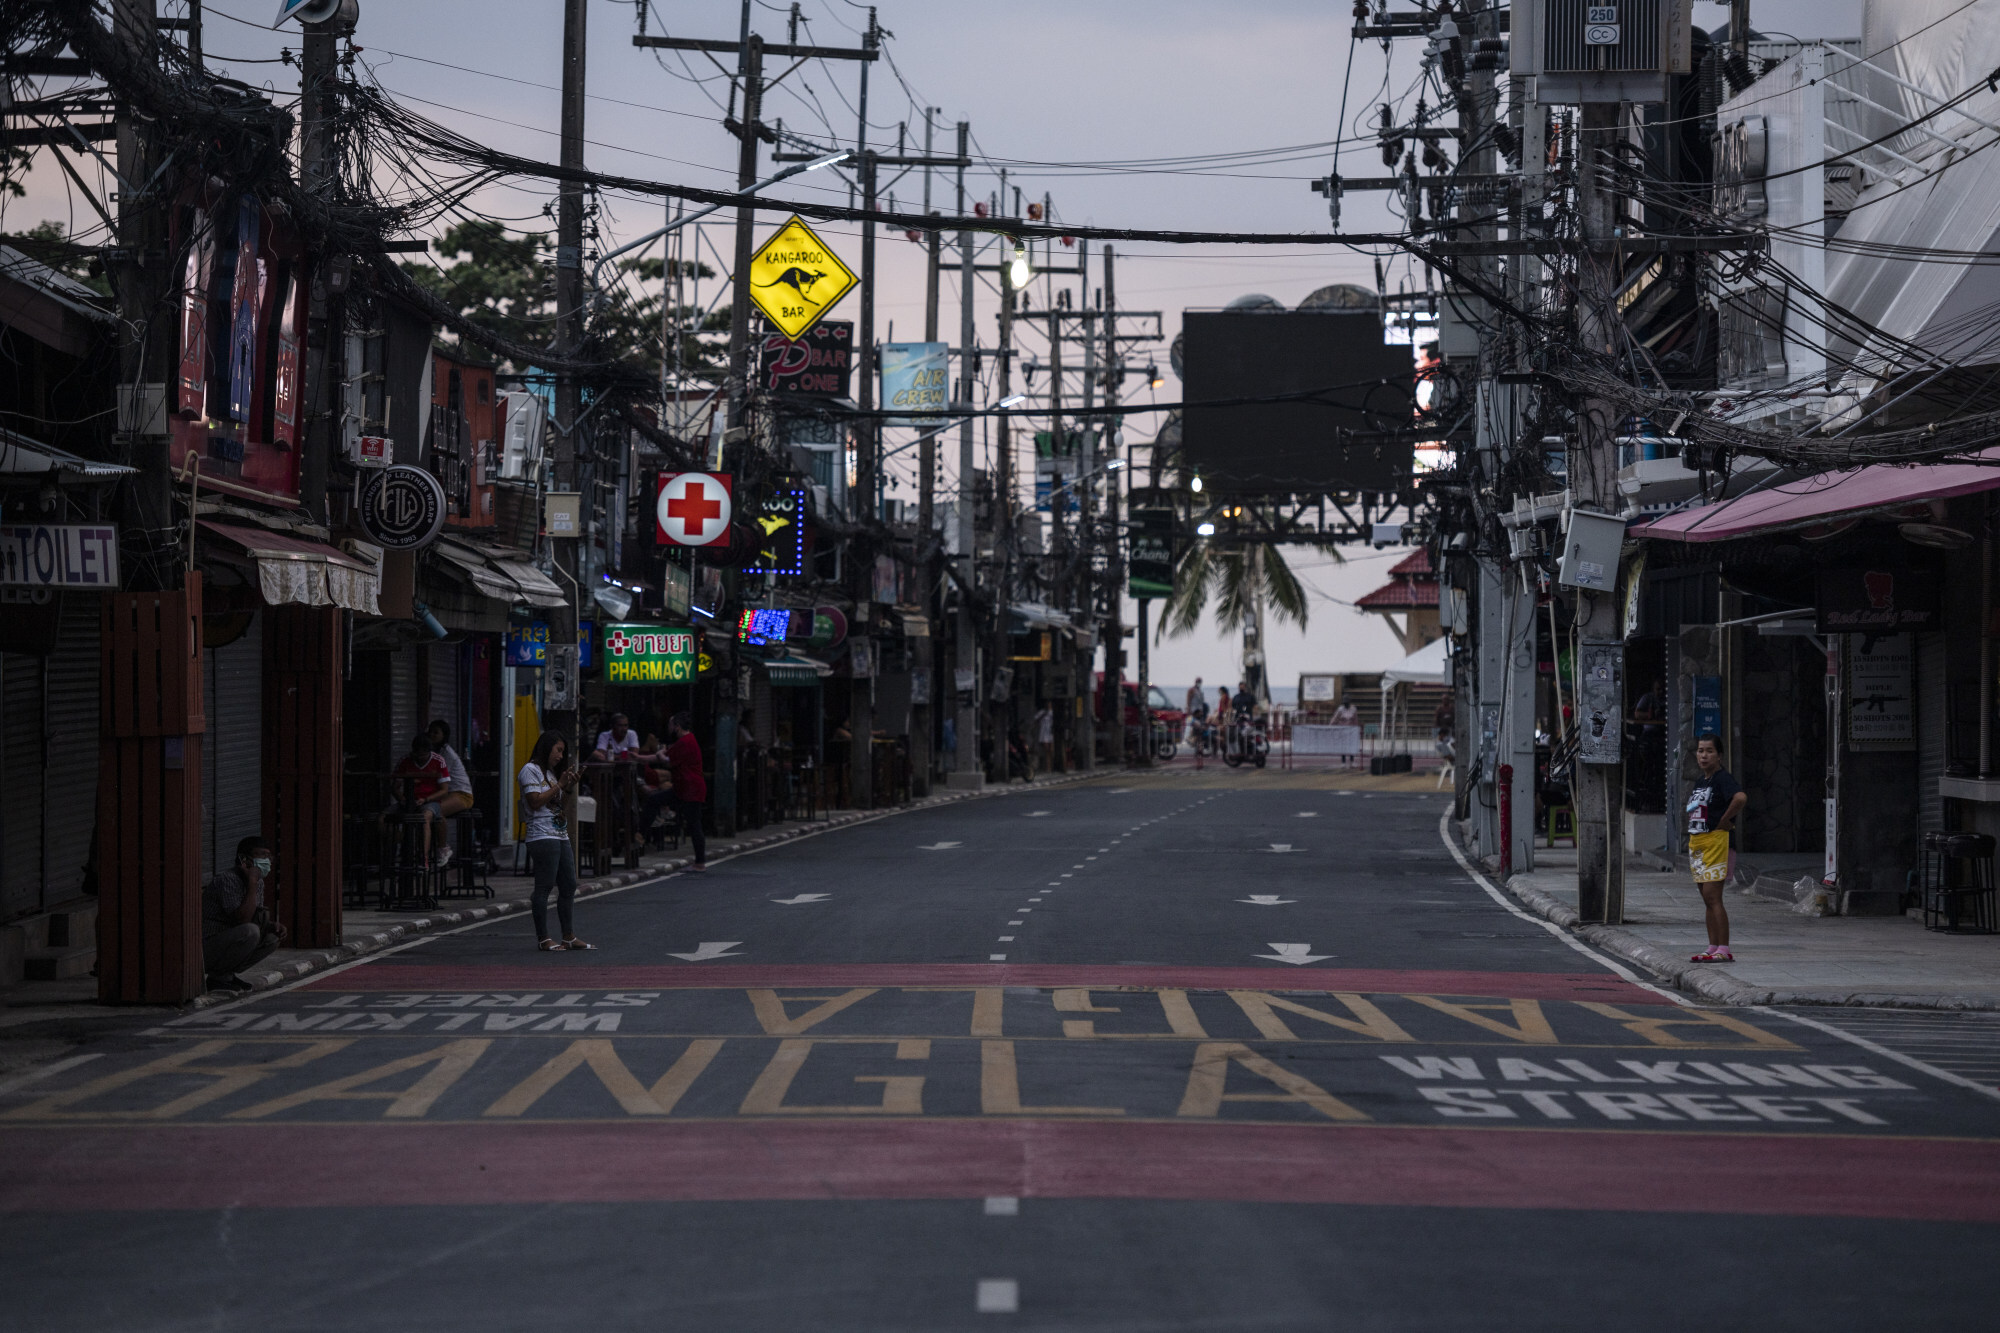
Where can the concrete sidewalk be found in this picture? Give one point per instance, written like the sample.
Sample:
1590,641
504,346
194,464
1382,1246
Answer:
365,931
1781,956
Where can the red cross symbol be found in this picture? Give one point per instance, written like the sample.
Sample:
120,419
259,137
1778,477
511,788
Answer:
616,642
694,508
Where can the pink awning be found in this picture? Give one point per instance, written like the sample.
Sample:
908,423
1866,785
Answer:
1815,499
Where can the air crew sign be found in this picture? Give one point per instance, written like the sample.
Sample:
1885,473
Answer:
794,279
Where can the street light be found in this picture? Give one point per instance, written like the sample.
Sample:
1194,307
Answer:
1204,530
1019,271
1195,485
651,236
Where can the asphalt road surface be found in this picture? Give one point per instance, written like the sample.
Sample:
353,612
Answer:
1136,1054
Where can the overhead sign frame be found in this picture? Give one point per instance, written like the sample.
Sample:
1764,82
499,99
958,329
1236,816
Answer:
795,278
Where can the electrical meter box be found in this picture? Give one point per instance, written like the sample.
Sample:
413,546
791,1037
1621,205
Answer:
1591,544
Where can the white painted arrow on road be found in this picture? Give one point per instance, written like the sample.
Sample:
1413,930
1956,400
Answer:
712,949
794,902
1307,814
1294,953
1037,814
1282,847
939,846
1267,900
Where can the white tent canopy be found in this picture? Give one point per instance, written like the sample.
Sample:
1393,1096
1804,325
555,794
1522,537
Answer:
1429,665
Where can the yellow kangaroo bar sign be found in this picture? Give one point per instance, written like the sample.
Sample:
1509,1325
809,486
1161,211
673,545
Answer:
794,278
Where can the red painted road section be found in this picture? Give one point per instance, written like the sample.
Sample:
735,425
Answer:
560,972
125,1167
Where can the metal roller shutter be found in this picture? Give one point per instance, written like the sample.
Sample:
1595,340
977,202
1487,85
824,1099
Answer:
21,812
1933,730
69,812
232,755
403,702
445,702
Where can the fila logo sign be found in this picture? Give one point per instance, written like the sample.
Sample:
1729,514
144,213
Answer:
693,508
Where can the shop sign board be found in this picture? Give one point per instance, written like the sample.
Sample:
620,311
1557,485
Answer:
1881,694
648,655
779,525
916,381
693,508
813,365
402,507
1151,561
794,278
59,555
1877,601
528,645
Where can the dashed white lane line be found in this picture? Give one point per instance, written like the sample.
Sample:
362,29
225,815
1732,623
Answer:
1002,1205
996,957
997,1295
1006,939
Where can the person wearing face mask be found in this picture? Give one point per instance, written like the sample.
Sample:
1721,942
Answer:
236,929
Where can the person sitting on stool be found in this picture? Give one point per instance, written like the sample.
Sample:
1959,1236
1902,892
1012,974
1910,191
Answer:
458,788
236,929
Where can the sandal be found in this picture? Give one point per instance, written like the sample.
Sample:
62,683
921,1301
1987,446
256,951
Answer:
1716,953
550,946
573,944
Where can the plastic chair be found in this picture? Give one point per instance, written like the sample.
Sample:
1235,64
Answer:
1560,822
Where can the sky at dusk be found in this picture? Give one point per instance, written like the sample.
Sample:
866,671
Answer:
1078,101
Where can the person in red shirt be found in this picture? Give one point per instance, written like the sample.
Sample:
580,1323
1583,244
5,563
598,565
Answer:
689,787
422,781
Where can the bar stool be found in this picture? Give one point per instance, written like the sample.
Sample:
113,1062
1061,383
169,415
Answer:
1960,902
1561,823
469,857
409,883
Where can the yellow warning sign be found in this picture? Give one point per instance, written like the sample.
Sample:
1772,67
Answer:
794,278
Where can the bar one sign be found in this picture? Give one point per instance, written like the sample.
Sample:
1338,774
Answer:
51,555
1865,600
648,655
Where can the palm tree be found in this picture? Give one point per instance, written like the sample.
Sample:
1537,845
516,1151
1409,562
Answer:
1242,579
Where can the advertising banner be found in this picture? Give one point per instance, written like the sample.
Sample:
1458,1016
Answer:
916,382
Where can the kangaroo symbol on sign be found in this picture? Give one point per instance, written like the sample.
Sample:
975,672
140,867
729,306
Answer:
798,279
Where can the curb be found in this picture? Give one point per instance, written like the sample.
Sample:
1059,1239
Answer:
310,962
1712,983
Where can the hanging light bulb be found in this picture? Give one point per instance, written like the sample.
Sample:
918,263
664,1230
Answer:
1204,530
1195,485
1018,271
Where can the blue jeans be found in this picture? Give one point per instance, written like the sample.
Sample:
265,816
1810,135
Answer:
554,862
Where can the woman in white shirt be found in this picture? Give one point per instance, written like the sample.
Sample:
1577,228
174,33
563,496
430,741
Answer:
544,781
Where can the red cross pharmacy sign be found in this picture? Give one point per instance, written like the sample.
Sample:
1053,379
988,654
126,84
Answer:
693,508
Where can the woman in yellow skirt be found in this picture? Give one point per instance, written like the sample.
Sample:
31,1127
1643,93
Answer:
1713,805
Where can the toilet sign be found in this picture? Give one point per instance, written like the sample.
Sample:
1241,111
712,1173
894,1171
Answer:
693,508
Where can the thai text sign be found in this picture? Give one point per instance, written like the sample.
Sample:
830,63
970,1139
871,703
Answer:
59,555
916,381
648,655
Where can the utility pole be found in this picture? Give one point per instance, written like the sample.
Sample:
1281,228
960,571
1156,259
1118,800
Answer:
148,330
1086,513
1593,480
569,336
922,716
1114,640
868,464
966,773
325,314
1003,512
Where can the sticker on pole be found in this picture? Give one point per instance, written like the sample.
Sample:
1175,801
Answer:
693,508
794,279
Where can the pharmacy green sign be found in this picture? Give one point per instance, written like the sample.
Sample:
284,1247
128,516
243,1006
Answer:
648,655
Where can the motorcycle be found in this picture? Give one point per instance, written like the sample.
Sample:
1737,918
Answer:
1246,742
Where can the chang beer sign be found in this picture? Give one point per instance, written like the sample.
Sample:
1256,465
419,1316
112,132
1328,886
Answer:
648,655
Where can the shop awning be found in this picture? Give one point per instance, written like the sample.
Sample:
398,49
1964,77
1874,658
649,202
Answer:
292,570
1877,488
796,669
499,574
21,456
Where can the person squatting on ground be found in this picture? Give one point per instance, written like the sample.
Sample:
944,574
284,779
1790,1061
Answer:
1713,805
236,929
545,780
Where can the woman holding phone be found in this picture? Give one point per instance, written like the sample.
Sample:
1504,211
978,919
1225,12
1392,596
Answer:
545,781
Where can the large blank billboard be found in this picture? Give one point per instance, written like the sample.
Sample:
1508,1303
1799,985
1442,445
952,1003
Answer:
1280,441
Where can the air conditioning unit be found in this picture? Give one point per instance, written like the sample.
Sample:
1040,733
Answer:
1580,52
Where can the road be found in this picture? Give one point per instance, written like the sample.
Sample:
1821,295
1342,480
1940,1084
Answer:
1142,1053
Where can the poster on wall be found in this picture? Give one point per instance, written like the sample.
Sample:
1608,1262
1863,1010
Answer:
1601,694
1881,698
